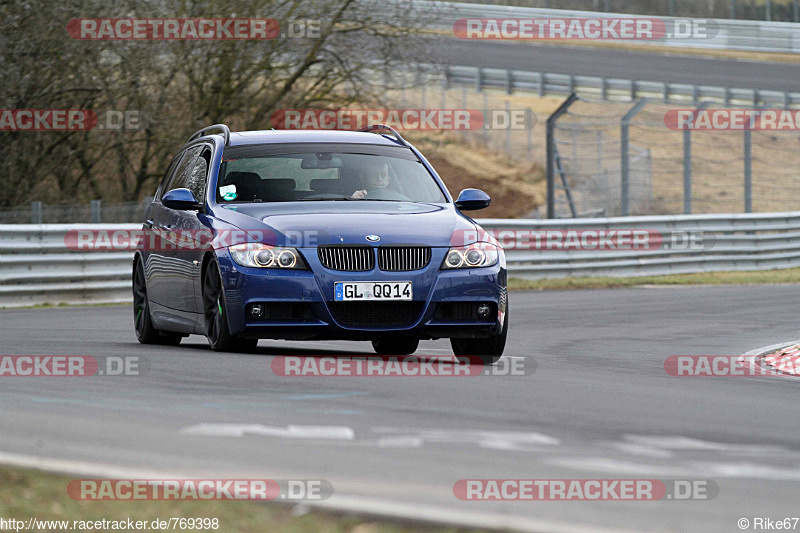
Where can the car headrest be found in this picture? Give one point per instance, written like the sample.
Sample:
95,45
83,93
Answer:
277,190
248,184
325,185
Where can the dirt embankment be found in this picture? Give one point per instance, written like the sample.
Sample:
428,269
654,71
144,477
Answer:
516,188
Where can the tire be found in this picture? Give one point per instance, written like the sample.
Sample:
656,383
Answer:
146,333
395,345
214,312
488,350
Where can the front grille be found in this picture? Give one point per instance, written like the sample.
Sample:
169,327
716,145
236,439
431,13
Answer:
347,258
403,258
375,314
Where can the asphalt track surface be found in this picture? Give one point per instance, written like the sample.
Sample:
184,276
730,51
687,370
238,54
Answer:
598,406
616,63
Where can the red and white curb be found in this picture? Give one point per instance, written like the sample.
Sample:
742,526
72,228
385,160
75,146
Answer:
783,358
786,360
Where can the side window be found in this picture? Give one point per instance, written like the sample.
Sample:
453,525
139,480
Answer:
197,177
180,179
168,175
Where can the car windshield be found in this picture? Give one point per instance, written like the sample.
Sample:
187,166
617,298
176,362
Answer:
268,173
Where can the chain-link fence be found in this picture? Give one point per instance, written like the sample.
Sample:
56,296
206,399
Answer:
94,211
590,173
683,171
771,10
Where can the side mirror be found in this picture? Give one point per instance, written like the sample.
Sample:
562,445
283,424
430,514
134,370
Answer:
181,199
472,200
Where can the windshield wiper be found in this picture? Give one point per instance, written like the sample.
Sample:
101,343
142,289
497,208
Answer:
336,199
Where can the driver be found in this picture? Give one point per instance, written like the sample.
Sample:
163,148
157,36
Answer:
374,179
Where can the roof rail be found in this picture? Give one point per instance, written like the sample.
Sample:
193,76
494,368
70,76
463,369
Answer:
226,132
378,127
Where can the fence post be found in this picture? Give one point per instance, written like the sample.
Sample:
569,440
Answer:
551,141
796,11
733,9
687,164
625,162
485,114
768,9
95,208
509,82
508,127
529,127
464,106
748,171
36,212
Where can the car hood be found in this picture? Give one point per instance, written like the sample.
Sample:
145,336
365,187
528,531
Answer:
305,224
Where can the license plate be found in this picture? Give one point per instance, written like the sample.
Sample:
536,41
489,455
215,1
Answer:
368,290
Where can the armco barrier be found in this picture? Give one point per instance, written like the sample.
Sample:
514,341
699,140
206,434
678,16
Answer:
36,268
613,89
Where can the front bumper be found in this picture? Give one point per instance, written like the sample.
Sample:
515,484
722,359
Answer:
300,303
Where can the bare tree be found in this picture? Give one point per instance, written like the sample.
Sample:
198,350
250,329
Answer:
330,53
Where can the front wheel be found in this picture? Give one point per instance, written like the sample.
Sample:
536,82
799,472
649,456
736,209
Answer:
488,349
395,345
214,313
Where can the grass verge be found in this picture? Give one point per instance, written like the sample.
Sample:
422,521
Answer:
26,493
765,277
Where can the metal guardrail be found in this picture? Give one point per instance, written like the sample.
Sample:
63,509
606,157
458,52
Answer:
36,268
613,89
756,36
727,242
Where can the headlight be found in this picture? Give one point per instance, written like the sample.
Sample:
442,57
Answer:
255,255
478,255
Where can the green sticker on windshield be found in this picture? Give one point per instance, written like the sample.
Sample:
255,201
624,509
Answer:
228,192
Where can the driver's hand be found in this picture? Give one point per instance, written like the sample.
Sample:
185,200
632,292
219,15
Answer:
358,195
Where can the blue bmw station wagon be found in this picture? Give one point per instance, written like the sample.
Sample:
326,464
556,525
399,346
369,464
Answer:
317,235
